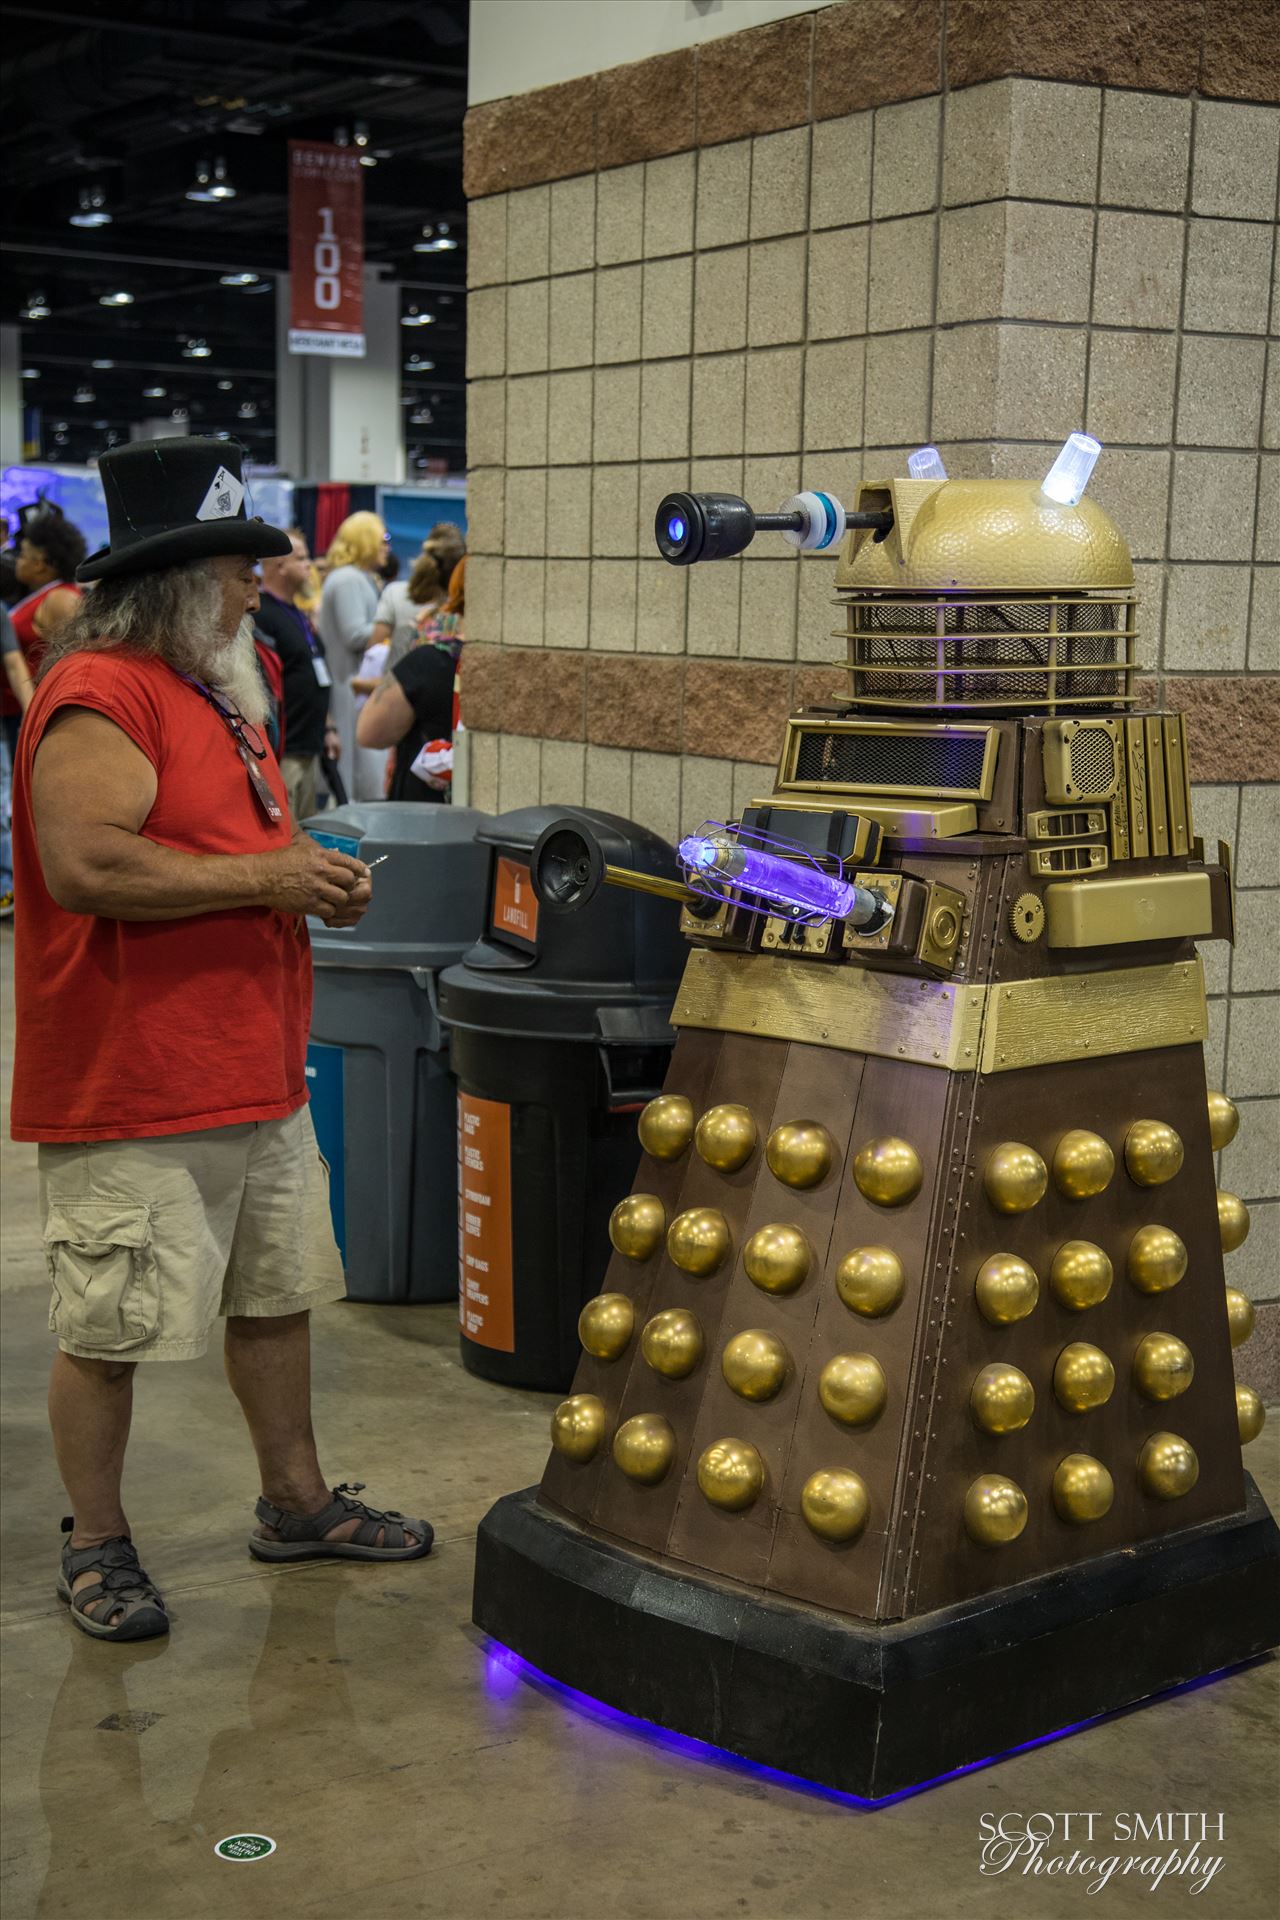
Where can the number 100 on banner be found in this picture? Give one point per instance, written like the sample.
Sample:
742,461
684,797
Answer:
326,249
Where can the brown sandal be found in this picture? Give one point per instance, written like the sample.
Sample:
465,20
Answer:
302,1535
133,1609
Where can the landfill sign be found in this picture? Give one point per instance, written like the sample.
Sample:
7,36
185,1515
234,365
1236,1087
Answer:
486,1310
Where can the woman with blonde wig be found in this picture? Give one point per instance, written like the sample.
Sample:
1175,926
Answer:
345,621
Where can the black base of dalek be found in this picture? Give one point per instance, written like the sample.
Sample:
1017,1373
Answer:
872,1710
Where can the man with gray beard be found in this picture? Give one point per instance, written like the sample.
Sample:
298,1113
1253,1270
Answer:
163,979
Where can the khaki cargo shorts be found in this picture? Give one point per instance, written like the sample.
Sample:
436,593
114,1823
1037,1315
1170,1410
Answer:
149,1241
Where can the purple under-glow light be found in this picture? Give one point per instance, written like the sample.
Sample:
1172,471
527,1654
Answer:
796,885
506,1670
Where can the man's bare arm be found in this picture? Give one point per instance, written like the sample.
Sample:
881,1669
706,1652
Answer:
91,793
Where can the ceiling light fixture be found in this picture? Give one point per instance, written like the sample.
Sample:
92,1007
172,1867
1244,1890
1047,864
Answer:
91,210
155,393
84,396
247,410
225,386
31,373
436,240
414,318
238,280
119,298
37,308
100,366
179,413
196,350
368,159
211,184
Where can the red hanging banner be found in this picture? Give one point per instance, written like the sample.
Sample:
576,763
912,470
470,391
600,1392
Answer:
326,249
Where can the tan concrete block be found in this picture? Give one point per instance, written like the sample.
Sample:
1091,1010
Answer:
486,332
608,784
1041,391
780,183
563,773
819,621
1215,1045
901,273
1138,272
1215,957
905,177
486,423
767,480
661,606
1271,391
767,629
706,790
486,496
615,493
1250,1164
524,587
526,530
1219,391
838,282
1267,542
519,771
1033,139
527,327
613,606
719,404
569,511
713,609
719,474
1237,151
1264,621
527,421
670,188
840,171
1255,967
776,290
484,599
1133,487
897,389
720,312
1215,811
571,319
568,596
775,377
487,241
655,792
1228,276
616,419
1048,261
1146,149
1132,381
1257,848
723,194
1253,1046
1206,619
529,234
664,410
483,791
966,371
618,297
752,779
1213,506
569,417
619,215
834,470
971,262
833,387
667,323
573,224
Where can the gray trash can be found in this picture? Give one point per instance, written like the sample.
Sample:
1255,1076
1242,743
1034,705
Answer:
382,1094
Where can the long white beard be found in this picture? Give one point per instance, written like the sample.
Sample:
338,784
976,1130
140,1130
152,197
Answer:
232,667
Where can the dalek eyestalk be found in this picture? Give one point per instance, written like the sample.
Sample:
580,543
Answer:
715,526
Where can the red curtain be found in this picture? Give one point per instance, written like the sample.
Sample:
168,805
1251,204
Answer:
333,504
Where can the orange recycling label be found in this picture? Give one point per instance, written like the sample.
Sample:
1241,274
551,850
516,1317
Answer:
515,904
486,1309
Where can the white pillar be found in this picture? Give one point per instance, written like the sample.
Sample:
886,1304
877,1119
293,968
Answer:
340,419
10,397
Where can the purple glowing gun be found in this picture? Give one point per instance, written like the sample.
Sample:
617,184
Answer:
782,877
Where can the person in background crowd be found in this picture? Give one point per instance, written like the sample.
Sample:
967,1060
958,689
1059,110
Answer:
348,609
19,680
309,732
447,543
9,588
50,548
163,979
414,709
404,601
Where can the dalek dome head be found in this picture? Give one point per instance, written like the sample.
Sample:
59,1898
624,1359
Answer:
1016,595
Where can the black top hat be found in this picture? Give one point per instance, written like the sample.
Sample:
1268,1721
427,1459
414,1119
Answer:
171,501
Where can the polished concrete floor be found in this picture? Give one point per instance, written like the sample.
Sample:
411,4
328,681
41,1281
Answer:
352,1713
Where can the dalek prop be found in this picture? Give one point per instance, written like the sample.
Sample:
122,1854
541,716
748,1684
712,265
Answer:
906,1429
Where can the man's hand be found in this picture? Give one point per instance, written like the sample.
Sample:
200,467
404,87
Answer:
308,878
332,742
357,905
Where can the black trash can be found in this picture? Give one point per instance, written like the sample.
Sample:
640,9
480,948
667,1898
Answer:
382,1093
560,1035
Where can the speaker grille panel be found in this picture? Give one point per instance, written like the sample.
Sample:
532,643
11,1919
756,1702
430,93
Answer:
1093,763
938,763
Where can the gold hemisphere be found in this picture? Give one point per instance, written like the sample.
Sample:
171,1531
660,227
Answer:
730,1474
1002,1399
1015,1177
777,1258
698,1240
1240,1316
995,1510
1082,1489
800,1154
1152,1152
666,1126
637,1224
1233,1221
852,1388
1080,1275
1224,1121
644,1447
606,1324
834,1504
871,1281
1083,1164
672,1343
1006,1289
1163,1366
1251,1415
577,1426
1157,1259
1083,1377
888,1172
754,1364
1167,1466
726,1137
